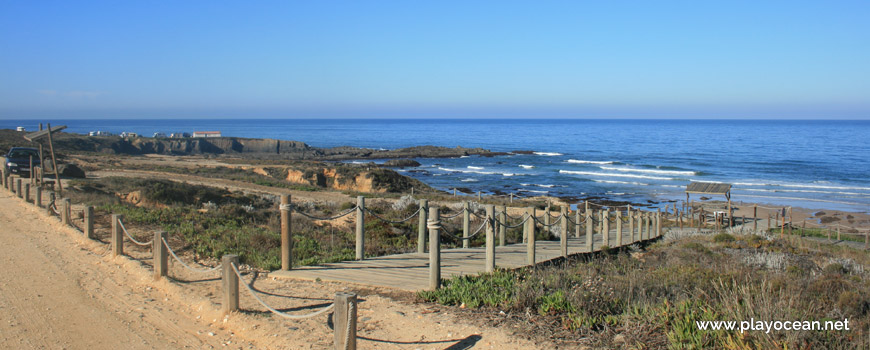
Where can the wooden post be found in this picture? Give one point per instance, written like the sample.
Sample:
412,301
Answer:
530,247
27,192
630,225
563,236
866,240
54,162
466,222
161,257
117,235
38,196
502,230
434,224
601,225
344,320
619,228
647,224
546,226
838,232
18,188
605,228
65,211
286,233
829,234
659,223
421,226
454,192
577,226
360,227
589,244
478,196
755,217
51,199
490,238
230,282
89,222
680,219
512,198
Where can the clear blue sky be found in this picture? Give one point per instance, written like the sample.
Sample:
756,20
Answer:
294,59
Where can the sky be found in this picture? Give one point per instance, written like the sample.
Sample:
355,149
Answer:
435,59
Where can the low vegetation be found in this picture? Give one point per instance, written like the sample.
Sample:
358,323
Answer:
652,298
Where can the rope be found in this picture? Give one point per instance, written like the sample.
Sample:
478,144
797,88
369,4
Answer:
391,221
186,265
433,224
279,313
551,224
525,218
131,237
478,215
53,208
479,229
351,210
454,215
285,207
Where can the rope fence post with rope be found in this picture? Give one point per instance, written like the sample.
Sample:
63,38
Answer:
65,213
421,226
619,228
161,258
38,196
344,321
563,234
605,227
360,227
490,238
230,283
502,230
286,234
530,227
117,238
89,222
434,225
466,223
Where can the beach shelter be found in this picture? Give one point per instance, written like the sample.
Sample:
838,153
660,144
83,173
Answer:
712,188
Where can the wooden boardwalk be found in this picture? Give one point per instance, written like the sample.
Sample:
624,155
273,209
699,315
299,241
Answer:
410,272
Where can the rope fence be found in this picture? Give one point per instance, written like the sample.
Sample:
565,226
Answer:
191,268
273,310
130,237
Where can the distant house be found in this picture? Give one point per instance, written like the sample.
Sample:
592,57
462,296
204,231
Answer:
206,134
129,134
159,134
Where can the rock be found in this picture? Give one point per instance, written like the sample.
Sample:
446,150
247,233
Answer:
401,163
71,170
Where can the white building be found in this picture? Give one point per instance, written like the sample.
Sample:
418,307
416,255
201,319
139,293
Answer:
206,134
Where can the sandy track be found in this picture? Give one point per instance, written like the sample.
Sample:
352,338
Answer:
61,290
54,294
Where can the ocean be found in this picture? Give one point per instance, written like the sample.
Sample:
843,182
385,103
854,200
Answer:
812,164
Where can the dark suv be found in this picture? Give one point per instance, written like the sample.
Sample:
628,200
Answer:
18,160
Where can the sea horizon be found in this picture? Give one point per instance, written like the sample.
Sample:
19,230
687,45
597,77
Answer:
797,162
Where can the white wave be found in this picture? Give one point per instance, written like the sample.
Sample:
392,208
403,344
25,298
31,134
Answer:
590,173
538,185
468,180
650,171
549,154
621,182
508,174
577,161
526,166
464,156
534,191
466,171
855,188
475,167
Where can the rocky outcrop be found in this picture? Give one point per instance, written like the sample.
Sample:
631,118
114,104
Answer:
236,146
401,163
355,179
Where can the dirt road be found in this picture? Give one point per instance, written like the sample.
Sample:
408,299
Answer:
56,295
59,290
